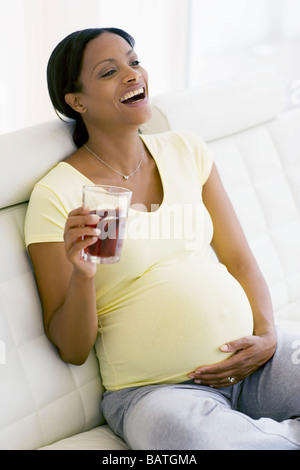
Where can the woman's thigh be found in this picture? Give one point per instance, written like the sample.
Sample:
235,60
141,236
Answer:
175,417
274,389
188,418
164,416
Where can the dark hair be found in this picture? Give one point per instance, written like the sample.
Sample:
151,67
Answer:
63,74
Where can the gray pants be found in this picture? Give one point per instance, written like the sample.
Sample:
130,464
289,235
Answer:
260,413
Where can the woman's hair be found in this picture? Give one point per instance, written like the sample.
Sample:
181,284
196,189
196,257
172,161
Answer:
63,74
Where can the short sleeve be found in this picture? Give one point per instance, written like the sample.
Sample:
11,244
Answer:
199,152
45,218
204,158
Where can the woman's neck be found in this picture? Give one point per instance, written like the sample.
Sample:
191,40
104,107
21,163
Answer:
121,150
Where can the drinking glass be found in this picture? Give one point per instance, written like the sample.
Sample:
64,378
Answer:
111,204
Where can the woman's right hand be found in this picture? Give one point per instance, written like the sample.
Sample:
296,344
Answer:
79,225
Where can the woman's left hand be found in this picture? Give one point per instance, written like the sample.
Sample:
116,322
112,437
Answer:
251,352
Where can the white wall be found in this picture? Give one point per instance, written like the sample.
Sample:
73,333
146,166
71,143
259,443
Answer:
160,28
228,36
220,28
29,31
180,42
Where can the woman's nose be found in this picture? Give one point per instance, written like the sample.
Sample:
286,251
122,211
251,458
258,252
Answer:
131,75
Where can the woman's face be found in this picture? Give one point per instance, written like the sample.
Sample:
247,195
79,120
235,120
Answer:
114,85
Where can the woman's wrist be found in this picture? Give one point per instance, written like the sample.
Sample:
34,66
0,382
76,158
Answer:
269,338
267,330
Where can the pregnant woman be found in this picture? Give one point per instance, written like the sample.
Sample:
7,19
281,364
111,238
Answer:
188,351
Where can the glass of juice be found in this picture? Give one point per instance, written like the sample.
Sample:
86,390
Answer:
111,204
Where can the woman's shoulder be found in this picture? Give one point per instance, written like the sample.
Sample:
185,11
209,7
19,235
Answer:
184,146
62,174
179,143
60,188
174,137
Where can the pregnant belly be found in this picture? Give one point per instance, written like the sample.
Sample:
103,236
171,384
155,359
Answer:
173,321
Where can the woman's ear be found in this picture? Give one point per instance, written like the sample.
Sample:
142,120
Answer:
73,100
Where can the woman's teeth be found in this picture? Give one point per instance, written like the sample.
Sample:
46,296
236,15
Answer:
131,94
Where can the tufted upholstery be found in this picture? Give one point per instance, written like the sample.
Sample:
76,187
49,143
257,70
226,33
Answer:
45,403
264,188
42,399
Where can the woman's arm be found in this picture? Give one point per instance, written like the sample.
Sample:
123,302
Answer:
66,287
232,249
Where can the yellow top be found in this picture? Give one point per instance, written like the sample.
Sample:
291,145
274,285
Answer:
166,307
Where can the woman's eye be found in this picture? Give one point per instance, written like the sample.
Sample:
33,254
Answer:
108,74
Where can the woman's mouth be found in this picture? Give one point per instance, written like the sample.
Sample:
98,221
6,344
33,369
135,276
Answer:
133,96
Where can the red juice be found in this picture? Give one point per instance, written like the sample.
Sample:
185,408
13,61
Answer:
107,248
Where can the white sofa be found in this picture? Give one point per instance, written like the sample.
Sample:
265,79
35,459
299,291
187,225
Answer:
47,404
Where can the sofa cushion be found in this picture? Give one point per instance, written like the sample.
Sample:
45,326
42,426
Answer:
99,438
42,399
221,108
260,184
28,154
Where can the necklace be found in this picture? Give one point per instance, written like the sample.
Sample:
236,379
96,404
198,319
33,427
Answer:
116,171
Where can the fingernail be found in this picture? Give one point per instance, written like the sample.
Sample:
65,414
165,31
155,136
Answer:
225,347
197,381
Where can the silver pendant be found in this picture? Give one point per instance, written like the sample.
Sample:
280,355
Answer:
125,177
